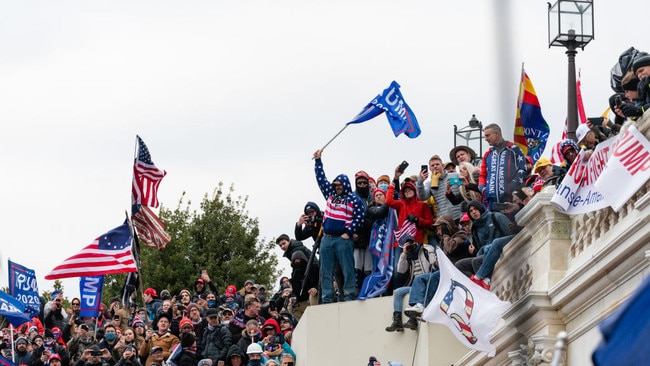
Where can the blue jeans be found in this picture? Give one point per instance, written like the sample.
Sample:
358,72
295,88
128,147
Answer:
398,297
491,254
424,287
336,248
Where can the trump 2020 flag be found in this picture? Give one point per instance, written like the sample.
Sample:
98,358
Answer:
531,130
23,286
469,311
399,114
90,289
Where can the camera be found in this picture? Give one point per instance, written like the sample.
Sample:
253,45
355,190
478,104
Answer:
275,339
498,206
129,348
96,353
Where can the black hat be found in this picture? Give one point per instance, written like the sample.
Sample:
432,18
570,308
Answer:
164,315
640,61
114,299
155,349
187,340
212,313
48,333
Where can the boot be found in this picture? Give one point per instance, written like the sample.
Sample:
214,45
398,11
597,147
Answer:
412,323
397,323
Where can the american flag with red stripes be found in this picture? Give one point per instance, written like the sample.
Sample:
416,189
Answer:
110,253
407,228
146,178
150,229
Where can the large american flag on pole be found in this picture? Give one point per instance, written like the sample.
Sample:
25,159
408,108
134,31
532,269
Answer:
146,178
108,254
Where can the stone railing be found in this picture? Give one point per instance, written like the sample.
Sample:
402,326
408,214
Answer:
567,273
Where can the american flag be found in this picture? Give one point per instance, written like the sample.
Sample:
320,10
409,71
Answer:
407,228
150,229
108,254
146,178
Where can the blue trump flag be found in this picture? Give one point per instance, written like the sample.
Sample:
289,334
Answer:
23,287
399,114
382,242
90,289
12,310
626,332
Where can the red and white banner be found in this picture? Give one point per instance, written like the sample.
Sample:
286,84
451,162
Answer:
613,173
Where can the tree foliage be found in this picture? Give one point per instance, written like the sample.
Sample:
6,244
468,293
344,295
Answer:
220,237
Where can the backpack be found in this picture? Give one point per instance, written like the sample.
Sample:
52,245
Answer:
623,65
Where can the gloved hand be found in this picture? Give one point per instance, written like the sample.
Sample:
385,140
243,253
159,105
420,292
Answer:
631,110
412,218
435,178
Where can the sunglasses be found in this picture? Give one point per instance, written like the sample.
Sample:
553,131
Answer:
75,304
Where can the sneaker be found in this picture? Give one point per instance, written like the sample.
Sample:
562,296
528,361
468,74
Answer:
414,311
480,283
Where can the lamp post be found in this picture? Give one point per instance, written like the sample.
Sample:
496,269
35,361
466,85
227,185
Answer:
571,25
474,125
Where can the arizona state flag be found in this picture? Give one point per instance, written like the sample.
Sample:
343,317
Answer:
531,130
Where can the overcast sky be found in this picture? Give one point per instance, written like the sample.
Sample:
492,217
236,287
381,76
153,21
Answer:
244,92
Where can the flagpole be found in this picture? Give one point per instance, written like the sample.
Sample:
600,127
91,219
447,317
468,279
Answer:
335,136
137,263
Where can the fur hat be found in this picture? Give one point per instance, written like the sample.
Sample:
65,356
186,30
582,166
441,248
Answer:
640,61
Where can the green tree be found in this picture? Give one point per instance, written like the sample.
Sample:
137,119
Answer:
220,238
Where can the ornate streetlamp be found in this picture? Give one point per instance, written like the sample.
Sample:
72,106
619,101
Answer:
466,133
571,25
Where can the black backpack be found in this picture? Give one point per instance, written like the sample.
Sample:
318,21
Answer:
623,65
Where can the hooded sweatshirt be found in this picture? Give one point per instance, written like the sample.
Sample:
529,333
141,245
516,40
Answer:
343,214
410,206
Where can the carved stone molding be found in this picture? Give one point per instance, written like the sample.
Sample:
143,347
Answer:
538,352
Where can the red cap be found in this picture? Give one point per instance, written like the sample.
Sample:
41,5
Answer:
55,356
231,290
185,321
151,291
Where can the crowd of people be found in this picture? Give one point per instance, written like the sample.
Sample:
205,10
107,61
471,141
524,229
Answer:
465,205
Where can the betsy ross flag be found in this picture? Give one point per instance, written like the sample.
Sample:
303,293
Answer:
399,114
146,177
108,254
469,311
531,130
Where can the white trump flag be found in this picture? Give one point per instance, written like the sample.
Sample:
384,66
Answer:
469,311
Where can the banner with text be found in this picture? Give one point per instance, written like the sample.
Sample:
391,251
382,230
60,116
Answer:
90,289
628,167
23,287
613,173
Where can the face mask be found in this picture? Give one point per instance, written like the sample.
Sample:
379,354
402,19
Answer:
225,322
255,362
48,344
383,186
212,303
110,336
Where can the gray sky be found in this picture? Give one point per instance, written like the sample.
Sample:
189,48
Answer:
244,92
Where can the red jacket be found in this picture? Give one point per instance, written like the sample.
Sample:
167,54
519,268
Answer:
412,206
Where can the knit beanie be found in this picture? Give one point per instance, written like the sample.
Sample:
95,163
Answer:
187,339
640,61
